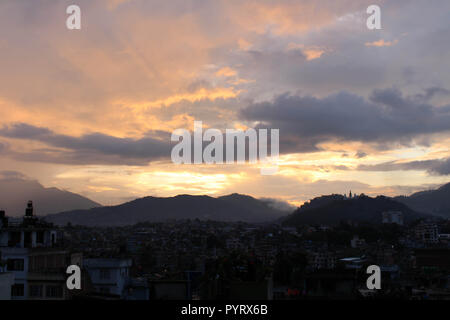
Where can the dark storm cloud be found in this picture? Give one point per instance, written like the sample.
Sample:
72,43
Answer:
434,166
89,148
385,119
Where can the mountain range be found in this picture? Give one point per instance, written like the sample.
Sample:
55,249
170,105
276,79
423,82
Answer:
435,202
61,207
234,207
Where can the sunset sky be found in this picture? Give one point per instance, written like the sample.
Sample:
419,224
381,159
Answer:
91,111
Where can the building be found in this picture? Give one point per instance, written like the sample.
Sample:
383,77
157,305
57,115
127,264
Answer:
322,260
444,238
169,290
395,217
356,242
109,276
433,258
256,290
6,282
233,243
427,232
352,262
28,232
331,284
28,246
137,289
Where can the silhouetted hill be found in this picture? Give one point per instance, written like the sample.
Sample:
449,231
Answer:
15,193
436,202
331,210
234,207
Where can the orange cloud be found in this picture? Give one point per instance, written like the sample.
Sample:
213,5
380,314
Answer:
201,94
226,72
312,54
381,43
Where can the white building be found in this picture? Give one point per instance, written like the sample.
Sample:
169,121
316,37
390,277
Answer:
109,275
356,242
392,217
28,249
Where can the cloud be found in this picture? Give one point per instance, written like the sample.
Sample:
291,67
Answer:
89,148
360,154
381,43
442,167
386,119
226,72
430,93
24,131
142,65
312,54
279,204
434,166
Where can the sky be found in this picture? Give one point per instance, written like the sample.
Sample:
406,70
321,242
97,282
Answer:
91,111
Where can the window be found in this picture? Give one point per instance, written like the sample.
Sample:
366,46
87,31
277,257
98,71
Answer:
27,240
14,238
104,290
105,274
15,265
36,291
17,290
53,292
40,237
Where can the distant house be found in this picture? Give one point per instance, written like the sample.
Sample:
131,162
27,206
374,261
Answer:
395,217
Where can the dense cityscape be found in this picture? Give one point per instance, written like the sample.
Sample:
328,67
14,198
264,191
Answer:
205,260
